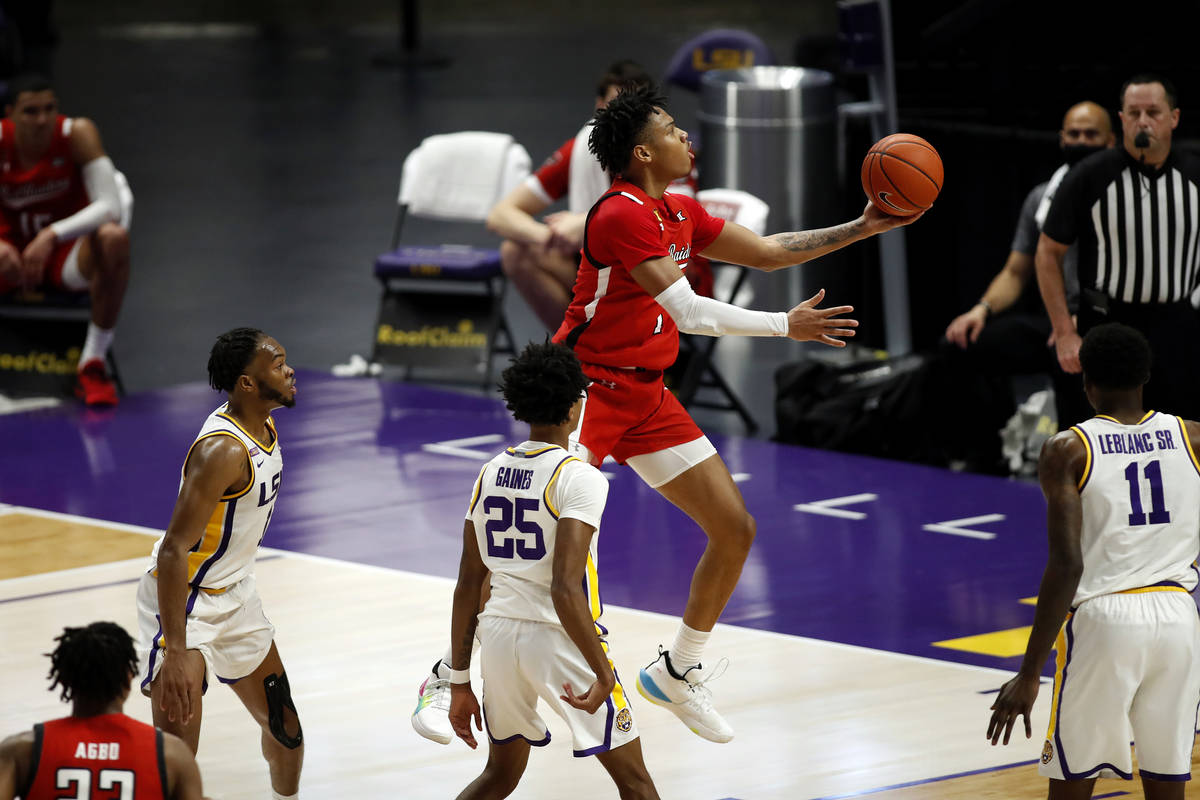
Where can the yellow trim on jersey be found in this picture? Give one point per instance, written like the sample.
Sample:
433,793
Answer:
231,435
1187,440
512,451
1147,416
478,487
210,541
1145,589
593,589
253,438
550,484
1060,664
1087,465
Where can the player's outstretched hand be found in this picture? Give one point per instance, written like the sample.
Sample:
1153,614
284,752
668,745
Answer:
593,698
464,707
1015,700
879,221
807,323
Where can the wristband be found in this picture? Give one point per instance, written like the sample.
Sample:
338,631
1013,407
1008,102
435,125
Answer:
460,676
986,306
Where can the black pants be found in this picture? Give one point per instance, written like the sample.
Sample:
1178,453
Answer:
1173,330
978,382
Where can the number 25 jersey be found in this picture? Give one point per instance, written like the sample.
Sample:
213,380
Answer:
518,499
1140,492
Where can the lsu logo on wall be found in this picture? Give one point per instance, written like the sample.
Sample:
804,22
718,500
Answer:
624,720
721,58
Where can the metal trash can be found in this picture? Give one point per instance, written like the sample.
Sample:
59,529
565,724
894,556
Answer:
772,131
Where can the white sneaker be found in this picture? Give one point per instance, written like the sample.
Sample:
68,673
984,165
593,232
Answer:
431,717
685,696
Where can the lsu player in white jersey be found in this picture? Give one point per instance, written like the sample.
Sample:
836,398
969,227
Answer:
532,523
199,612
1123,496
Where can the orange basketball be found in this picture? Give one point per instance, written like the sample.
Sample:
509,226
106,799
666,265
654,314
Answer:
902,174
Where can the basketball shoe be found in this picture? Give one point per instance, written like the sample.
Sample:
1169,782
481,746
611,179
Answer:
94,386
431,717
685,696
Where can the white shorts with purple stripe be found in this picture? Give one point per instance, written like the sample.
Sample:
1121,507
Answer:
523,660
1127,671
229,629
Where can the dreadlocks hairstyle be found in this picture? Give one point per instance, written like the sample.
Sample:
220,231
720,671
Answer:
542,384
94,663
621,125
231,354
1115,356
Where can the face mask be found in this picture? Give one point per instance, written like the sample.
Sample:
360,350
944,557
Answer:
1074,153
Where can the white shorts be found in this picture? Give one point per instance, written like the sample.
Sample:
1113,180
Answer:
523,660
229,629
1127,671
661,466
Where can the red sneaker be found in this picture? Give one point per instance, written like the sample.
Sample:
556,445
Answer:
94,386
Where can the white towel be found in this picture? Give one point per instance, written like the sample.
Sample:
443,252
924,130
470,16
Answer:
460,176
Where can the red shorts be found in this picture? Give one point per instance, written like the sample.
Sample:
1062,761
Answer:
52,277
630,413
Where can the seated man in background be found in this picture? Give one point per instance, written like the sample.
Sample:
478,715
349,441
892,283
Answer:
1006,334
60,215
542,257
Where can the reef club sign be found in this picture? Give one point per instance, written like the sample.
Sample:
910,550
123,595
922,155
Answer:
427,330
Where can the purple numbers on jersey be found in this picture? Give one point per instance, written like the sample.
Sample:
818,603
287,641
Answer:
1158,512
501,541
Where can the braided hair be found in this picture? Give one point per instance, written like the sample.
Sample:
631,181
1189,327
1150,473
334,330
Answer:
231,354
620,126
542,384
93,664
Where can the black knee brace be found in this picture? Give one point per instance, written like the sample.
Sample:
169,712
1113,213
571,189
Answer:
279,696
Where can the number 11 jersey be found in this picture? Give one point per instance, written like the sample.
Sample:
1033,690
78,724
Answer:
1140,492
518,499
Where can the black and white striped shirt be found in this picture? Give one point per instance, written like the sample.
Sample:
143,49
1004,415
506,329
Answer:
1138,228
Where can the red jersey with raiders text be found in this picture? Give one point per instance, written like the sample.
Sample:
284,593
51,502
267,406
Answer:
612,320
109,755
32,197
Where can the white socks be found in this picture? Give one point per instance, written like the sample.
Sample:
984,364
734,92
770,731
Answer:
689,645
96,345
277,796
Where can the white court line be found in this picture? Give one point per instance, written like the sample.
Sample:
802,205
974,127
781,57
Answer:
437,579
830,508
953,526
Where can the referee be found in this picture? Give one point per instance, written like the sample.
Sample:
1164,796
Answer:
1135,213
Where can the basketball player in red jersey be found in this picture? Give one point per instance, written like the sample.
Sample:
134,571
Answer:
60,218
97,751
631,300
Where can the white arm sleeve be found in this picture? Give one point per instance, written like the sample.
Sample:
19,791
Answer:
709,317
100,180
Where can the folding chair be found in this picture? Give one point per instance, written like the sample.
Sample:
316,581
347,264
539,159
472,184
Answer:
745,209
443,305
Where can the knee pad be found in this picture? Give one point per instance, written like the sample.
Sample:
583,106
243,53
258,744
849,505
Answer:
279,696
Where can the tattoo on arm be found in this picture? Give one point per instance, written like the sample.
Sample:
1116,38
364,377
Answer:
803,241
463,651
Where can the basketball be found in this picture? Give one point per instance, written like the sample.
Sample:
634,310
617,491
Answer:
902,174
